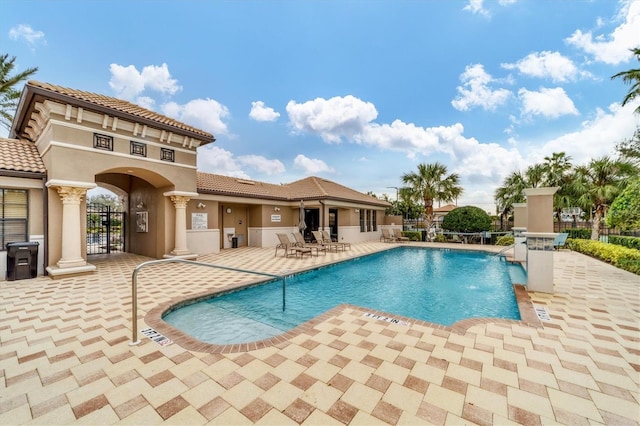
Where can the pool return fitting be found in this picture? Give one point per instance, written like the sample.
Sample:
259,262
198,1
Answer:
134,286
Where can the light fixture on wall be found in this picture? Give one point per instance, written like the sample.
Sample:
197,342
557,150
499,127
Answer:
201,205
356,210
140,205
276,208
228,209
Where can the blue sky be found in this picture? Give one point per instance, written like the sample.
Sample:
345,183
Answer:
358,92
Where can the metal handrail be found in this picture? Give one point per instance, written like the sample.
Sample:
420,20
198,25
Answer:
134,286
505,249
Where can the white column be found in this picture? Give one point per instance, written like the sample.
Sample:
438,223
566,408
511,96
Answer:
540,261
71,260
180,200
519,244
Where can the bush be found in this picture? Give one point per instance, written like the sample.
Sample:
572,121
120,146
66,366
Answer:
467,219
621,257
412,235
621,240
580,233
440,238
505,240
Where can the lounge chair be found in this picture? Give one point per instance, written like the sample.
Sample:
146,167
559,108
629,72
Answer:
327,238
386,236
330,244
290,248
560,241
300,242
399,237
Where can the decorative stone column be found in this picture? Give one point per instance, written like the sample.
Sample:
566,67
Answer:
519,228
540,238
180,200
71,260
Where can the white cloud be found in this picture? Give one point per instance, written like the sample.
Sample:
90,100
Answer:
129,83
333,118
206,114
28,34
260,112
547,65
213,159
262,164
475,90
550,103
476,6
311,166
596,138
612,48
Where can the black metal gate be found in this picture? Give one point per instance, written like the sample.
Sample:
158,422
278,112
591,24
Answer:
105,229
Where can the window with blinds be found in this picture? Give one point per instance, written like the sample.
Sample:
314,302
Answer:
14,210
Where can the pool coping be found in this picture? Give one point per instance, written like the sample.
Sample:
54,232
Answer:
154,320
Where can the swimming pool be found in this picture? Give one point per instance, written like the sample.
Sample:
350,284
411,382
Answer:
440,286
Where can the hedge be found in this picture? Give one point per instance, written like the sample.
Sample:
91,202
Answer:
582,233
619,256
622,240
505,240
413,235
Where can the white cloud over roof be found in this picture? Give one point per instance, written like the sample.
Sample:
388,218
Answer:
216,160
207,114
28,34
128,83
260,112
311,166
262,164
476,91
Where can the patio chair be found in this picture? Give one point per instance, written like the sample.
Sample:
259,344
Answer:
399,237
560,241
300,242
386,236
330,244
290,248
327,238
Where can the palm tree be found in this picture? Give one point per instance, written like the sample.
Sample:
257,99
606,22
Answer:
557,172
9,95
597,185
431,183
632,77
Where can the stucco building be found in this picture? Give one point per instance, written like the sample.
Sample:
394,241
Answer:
64,142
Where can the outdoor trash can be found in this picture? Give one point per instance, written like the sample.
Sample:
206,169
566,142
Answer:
22,260
234,242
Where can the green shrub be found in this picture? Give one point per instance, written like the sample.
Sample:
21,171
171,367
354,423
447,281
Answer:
581,233
413,235
621,257
505,240
440,238
622,240
467,219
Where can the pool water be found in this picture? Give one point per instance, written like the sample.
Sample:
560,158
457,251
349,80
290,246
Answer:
440,286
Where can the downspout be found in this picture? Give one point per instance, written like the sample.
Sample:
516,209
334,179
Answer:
45,225
323,207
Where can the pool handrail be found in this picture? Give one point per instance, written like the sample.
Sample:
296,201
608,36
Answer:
134,285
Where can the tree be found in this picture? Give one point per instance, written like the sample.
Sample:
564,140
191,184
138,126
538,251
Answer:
597,184
432,183
625,210
510,193
467,219
629,149
557,172
631,77
9,95
107,200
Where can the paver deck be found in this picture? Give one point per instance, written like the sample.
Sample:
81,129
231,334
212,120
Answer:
65,355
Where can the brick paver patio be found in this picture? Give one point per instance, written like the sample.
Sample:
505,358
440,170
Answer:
65,355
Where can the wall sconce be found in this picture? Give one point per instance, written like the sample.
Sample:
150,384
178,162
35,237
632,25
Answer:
228,209
140,205
201,205
276,208
356,210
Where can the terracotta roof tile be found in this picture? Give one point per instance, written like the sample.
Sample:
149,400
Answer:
121,106
20,156
305,189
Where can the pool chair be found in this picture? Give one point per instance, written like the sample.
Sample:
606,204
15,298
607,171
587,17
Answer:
399,237
560,241
329,244
290,248
386,236
327,238
300,242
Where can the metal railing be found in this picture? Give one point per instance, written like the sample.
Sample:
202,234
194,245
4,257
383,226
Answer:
134,286
504,250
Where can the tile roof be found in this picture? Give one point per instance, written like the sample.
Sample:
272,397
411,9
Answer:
445,209
307,189
121,106
20,156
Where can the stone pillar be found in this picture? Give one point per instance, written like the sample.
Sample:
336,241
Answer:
71,260
180,200
540,238
519,228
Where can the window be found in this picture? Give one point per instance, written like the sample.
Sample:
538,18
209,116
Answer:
362,220
102,142
375,224
13,216
139,149
368,221
167,155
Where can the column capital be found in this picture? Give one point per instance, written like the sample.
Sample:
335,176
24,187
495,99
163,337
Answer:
179,201
71,195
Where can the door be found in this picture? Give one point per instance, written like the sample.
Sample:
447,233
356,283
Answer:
105,229
333,224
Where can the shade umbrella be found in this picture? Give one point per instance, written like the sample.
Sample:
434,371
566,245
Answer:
301,223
